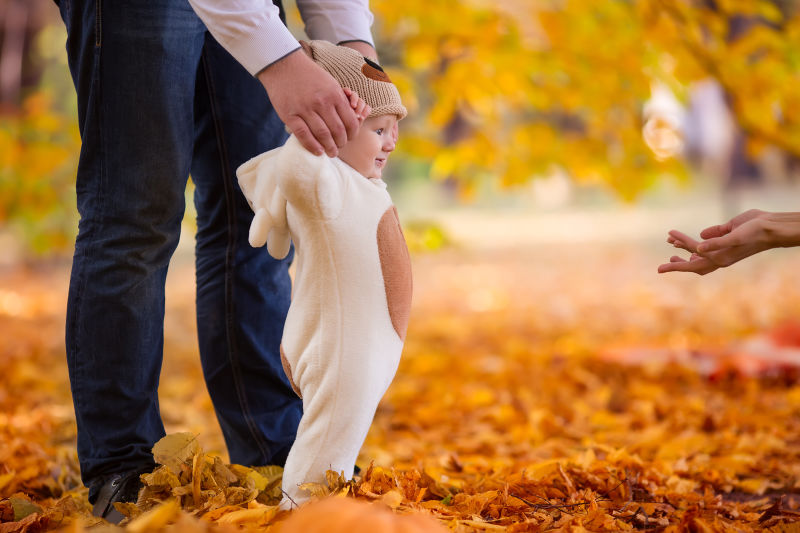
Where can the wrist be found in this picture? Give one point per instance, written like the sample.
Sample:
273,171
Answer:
363,48
782,229
275,71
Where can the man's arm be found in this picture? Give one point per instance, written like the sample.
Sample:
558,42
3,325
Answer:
306,98
345,22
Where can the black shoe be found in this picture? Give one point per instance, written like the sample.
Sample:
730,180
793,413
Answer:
118,488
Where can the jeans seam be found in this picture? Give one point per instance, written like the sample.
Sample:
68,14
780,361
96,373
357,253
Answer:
230,254
98,24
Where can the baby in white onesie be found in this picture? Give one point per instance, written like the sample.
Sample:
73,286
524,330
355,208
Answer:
352,293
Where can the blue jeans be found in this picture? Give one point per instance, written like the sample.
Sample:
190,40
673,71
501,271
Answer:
158,99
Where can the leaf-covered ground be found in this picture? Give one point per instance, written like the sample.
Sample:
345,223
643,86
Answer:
550,389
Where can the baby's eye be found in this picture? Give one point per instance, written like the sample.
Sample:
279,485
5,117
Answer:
379,131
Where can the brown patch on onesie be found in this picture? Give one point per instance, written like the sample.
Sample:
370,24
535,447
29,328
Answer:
288,370
396,268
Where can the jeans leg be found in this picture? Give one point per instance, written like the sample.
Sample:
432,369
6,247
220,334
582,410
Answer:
134,64
243,294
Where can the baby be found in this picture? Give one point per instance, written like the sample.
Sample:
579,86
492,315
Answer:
352,293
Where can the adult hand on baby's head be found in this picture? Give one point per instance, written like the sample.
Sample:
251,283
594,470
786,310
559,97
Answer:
311,103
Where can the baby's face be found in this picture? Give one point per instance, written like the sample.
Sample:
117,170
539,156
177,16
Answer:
368,151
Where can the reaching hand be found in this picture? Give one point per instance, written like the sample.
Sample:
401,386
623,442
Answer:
311,103
724,244
715,232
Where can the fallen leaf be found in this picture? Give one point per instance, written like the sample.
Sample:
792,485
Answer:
175,449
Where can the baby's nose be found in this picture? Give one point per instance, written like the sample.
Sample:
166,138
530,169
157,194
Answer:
389,144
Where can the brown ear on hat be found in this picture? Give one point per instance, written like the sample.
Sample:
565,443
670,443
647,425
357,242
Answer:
373,71
307,48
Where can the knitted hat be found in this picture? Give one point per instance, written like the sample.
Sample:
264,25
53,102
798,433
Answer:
356,72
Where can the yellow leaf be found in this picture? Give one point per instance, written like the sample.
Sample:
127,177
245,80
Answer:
260,481
258,516
161,477
392,499
315,489
155,518
175,449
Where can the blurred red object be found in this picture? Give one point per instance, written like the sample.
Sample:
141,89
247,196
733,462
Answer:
786,333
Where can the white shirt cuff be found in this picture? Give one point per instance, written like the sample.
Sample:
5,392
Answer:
337,20
251,30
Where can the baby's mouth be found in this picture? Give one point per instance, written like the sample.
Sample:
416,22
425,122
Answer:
379,162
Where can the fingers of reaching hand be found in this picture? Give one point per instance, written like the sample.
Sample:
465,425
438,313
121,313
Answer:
718,243
681,240
716,231
698,265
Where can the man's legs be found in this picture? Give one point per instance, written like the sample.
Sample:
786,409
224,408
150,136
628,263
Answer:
134,64
242,293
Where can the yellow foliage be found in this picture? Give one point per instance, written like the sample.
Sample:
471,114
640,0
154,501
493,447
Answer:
581,71
38,156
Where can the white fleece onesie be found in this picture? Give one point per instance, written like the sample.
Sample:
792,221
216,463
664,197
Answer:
350,302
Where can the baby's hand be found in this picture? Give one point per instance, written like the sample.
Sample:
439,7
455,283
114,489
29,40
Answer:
359,106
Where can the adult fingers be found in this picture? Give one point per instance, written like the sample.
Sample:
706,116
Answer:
677,243
321,131
333,117
303,133
716,231
687,243
699,266
668,267
346,121
718,243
